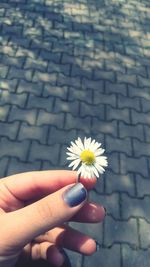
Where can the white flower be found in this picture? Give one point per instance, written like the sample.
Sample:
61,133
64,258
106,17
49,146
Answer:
87,155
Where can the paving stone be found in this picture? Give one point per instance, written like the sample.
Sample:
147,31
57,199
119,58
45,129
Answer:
99,126
37,64
100,98
135,165
66,107
136,257
68,81
50,90
137,92
119,183
59,68
57,136
126,102
143,82
15,73
135,207
139,117
81,95
77,123
147,133
94,85
104,75
105,257
26,115
36,102
120,231
127,130
17,166
118,114
12,61
4,111
45,77
10,85
3,166
120,145
3,71
140,148
115,88
30,87
144,228
13,99
142,186
33,133
145,104
9,130
42,152
92,110
50,119
13,149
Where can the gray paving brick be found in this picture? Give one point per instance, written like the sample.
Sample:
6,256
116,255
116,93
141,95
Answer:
136,258
81,95
115,88
12,61
94,85
104,75
36,102
118,114
13,149
140,148
142,185
45,77
77,70
114,164
139,117
42,152
26,115
13,99
66,107
135,207
147,133
92,110
30,87
110,202
15,73
68,81
33,132
37,64
3,71
3,166
17,166
114,66
8,50
4,111
77,123
143,82
145,104
47,55
100,98
135,165
120,231
57,136
109,257
120,145
99,126
119,183
126,102
9,85
144,233
127,79
127,130
58,68
50,119
50,90
9,129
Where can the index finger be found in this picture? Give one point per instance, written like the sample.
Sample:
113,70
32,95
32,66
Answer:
28,185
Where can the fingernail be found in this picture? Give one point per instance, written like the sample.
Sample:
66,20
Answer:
75,195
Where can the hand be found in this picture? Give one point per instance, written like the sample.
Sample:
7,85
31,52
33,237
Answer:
34,208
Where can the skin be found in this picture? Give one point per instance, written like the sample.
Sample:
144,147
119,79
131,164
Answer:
33,216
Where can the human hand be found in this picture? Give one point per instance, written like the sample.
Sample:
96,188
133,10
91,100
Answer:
34,208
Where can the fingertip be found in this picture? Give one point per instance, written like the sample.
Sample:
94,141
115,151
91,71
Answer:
89,247
88,183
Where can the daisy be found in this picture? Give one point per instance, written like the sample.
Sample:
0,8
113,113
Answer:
87,157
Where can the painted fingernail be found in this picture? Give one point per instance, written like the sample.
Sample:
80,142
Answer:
75,195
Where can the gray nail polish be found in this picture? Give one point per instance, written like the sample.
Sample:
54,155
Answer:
75,195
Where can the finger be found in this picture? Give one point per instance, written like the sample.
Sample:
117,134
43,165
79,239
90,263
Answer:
21,226
71,239
28,185
90,213
47,251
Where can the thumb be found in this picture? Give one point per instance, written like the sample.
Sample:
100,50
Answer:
20,227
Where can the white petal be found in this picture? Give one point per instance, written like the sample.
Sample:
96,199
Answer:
87,142
79,143
72,158
102,161
99,168
95,171
99,152
74,163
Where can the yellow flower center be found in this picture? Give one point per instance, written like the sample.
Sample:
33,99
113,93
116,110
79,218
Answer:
87,157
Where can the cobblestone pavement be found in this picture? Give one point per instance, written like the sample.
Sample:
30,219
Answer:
72,68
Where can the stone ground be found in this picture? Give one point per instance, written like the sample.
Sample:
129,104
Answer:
72,68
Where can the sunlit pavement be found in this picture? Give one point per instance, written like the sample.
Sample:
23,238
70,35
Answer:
82,68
